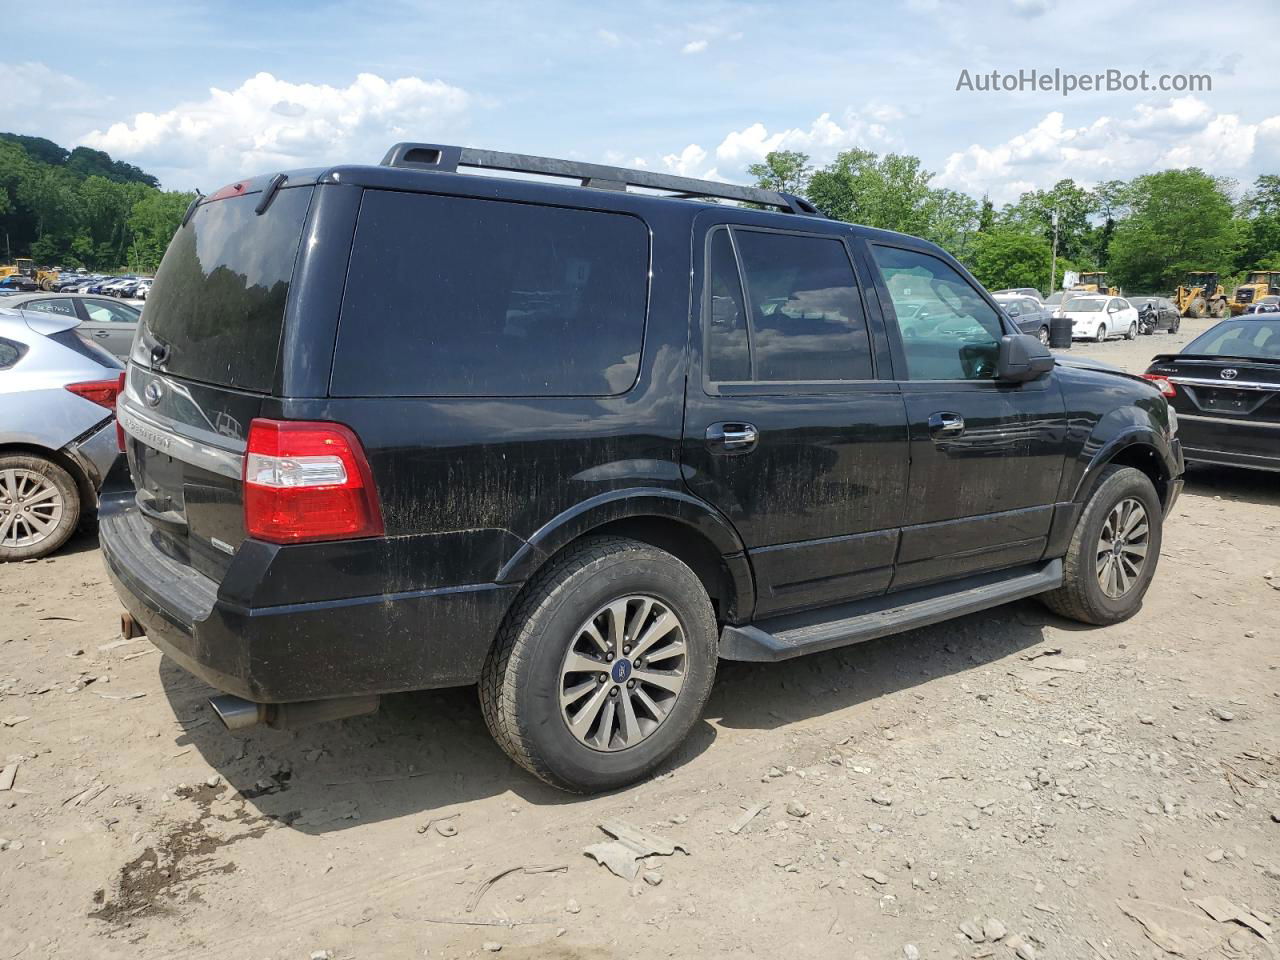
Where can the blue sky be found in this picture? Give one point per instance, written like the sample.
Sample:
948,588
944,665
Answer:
203,93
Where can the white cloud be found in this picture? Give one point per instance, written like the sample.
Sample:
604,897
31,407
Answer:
267,123
694,46
1184,132
821,140
608,38
1030,8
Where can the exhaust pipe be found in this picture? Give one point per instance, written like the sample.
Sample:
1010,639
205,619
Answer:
237,713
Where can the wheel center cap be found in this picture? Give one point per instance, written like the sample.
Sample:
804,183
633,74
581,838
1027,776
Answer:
1118,547
621,670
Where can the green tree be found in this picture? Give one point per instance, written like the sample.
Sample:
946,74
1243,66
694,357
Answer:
51,197
1006,257
1180,220
953,221
785,170
1033,211
987,216
890,192
154,220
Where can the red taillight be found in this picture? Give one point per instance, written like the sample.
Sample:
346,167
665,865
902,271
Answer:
307,481
124,378
101,392
1163,384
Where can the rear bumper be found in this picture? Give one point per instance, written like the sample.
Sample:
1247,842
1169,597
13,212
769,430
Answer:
305,651
1229,441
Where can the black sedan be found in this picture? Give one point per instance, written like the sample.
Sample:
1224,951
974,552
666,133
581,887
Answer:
1225,388
1156,313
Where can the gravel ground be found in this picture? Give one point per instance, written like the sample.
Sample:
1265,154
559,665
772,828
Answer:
1007,785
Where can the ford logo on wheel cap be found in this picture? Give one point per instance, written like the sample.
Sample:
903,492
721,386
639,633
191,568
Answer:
621,671
1230,373
152,393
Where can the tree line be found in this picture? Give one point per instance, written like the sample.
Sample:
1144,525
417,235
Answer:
1147,233
80,208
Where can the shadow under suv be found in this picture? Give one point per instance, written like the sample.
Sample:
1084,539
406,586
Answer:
398,427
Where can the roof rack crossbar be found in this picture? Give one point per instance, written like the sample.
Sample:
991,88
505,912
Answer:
447,159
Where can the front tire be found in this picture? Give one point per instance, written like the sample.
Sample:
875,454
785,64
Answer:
39,507
1132,332
568,690
1043,336
1101,335
1113,552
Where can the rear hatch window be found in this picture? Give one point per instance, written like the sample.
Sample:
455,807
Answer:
218,300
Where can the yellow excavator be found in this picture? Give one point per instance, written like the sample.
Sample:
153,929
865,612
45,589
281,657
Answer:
1095,282
1201,295
1258,284
33,277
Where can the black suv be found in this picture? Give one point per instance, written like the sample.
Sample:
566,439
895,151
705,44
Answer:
398,427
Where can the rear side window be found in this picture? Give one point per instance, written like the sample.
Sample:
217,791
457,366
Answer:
62,307
450,296
219,296
804,318
10,353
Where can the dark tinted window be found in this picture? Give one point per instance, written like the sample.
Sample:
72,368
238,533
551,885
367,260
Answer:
10,353
948,331
728,353
219,295
806,316
449,296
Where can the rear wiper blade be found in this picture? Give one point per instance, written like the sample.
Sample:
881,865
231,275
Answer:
269,193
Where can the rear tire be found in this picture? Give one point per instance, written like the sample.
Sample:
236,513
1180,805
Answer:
1196,309
1123,495
529,688
39,506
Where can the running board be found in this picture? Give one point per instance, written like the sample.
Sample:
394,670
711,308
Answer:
795,634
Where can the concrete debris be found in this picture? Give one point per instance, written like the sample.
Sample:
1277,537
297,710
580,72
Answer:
622,854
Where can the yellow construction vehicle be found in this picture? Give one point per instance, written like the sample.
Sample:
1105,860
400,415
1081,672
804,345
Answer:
1258,284
46,278
23,269
1201,295
1095,282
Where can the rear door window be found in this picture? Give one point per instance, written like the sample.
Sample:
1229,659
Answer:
218,300
803,320
454,296
61,306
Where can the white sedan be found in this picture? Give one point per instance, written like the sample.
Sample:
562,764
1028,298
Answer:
1100,317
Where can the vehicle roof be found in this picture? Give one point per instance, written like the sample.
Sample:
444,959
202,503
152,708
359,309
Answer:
561,191
65,295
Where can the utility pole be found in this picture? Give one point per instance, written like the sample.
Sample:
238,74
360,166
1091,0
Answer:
1053,259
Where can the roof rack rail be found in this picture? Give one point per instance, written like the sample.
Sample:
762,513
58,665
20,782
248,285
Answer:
443,158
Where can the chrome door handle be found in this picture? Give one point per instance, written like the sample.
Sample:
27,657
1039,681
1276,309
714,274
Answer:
942,425
732,437
101,334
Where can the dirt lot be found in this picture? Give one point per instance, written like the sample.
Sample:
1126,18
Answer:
1060,792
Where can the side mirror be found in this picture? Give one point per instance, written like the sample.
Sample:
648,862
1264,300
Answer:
1021,358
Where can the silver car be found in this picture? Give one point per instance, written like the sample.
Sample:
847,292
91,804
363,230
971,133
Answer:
110,322
57,429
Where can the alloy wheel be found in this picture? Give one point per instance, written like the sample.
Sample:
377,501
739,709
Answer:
622,673
1044,336
1122,548
30,507
1102,333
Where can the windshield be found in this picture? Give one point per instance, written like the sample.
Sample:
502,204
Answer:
1257,278
1082,305
1239,338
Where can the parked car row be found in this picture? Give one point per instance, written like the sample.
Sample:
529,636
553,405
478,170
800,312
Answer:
130,287
1094,316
